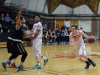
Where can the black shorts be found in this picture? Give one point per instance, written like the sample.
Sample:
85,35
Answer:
9,45
17,48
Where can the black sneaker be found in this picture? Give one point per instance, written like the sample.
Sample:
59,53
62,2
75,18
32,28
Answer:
93,63
87,65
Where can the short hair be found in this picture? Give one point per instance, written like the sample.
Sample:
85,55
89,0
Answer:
81,27
76,27
37,15
21,18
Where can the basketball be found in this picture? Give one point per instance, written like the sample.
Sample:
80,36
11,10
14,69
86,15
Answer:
91,39
28,33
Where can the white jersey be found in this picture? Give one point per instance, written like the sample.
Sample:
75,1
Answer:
78,42
38,26
76,38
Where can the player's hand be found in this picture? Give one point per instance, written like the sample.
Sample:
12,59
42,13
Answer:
22,6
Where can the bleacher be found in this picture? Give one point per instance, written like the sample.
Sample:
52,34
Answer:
3,39
9,8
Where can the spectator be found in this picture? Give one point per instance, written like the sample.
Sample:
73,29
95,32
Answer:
0,25
63,27
69,31
57,27
8,21
49,36
62,37
3,23
1,28
58,34
44,36
45,26
53,36
66,36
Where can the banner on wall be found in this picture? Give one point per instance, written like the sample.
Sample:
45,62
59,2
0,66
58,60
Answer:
86,24
67,23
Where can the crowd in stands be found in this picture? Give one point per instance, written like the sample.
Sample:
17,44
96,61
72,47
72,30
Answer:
5,23
56,36
51,36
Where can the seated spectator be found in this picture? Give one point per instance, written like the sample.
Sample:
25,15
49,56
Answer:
63,37
57,27
1,28
58,34
49,36
3,23
69,31
66,36
53,36
8,22
44,36
63,27
45,26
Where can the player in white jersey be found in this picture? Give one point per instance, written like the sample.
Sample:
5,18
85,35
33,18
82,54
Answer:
37,42
77,42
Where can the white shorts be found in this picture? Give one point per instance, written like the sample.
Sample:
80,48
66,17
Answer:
37,45
80,50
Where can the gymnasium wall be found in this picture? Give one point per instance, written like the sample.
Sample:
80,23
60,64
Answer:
39,5
8,1
88,25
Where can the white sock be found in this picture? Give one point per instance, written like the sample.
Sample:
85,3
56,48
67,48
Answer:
38,62
8,61
13,61
43,57
21,63
37,58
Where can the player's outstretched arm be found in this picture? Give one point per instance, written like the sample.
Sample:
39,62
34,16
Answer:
86,36
18,16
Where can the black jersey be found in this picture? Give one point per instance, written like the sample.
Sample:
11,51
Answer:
18,34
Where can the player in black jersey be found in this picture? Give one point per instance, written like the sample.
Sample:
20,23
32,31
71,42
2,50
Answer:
14,44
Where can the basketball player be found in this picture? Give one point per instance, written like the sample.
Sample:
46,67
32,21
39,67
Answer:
78,44
9,48
9,43
14,42
37,42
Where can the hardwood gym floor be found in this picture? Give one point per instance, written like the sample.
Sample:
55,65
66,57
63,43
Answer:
62,61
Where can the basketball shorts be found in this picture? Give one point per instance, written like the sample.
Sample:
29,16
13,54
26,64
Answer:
9,45
37,45
17,48
80,50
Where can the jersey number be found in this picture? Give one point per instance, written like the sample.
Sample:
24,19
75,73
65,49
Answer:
76,38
